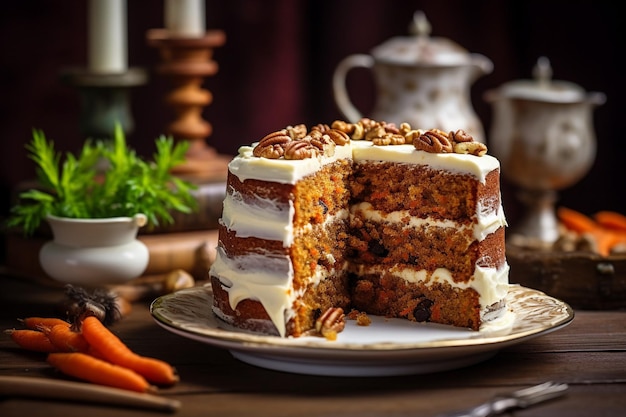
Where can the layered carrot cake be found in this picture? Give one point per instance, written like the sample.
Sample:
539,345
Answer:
368,217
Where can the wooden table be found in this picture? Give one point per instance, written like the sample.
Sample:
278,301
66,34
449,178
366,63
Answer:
589,354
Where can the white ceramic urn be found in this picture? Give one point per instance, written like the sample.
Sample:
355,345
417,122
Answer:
542,132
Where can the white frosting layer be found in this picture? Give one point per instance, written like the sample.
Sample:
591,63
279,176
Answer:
490,283
247,166
268,279
259,277
487,222
262,218
453,162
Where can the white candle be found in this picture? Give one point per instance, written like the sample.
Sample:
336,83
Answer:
185,18
108,52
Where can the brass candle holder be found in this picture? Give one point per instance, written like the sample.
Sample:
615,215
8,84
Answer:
187,62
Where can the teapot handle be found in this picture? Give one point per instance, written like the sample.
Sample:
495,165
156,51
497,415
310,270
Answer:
342,99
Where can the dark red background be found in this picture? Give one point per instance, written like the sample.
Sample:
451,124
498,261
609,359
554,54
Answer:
277,64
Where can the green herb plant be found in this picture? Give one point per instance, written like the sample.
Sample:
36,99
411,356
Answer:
107,179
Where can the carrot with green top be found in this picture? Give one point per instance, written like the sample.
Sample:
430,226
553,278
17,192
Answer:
85,367
32,340
115,351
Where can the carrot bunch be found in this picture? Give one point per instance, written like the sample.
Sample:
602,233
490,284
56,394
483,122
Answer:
606,228
93,353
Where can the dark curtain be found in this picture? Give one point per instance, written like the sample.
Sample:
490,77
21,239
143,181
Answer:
277,64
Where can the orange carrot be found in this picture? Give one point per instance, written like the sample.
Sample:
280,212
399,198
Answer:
604,238
40,323
66,339
32,340
611,220
115,351
575,220
88,368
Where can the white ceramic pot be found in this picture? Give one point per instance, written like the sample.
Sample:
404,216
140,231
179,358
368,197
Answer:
94,252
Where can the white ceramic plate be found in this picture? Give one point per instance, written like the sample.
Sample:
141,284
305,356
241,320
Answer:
385,347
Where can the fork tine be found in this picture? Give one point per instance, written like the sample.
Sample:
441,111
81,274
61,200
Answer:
546,387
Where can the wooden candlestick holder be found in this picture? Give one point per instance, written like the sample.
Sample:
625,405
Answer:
187,62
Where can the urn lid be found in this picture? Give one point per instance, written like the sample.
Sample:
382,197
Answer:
421,49
543,88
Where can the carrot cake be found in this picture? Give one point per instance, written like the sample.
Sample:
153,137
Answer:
366,216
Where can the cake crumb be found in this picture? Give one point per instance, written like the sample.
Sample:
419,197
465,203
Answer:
362,319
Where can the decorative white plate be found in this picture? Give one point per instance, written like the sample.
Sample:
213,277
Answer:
385,347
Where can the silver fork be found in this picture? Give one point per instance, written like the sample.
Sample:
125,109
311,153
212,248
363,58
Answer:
518,399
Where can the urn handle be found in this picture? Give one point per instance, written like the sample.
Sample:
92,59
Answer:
340,91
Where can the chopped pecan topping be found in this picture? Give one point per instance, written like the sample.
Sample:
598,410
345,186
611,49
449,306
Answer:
473,148
389,139
322,142
343,126
460,136
300,149
297,131
322,139
272,146
434,141
321,127
340,138
412,135
331,322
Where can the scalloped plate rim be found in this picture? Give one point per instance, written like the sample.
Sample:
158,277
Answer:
216,333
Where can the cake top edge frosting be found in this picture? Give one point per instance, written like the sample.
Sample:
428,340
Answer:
297,142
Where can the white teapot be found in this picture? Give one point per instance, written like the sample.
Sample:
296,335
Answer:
420,79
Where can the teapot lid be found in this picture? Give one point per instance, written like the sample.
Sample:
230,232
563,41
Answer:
543,88
421,48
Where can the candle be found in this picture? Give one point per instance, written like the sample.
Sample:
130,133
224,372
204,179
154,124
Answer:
185,18
108,51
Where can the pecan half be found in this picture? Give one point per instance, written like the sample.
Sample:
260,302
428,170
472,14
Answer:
272,146
433,141
331,322
300,149
340,138
460,136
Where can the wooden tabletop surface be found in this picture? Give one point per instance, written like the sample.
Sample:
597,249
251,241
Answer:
589,355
